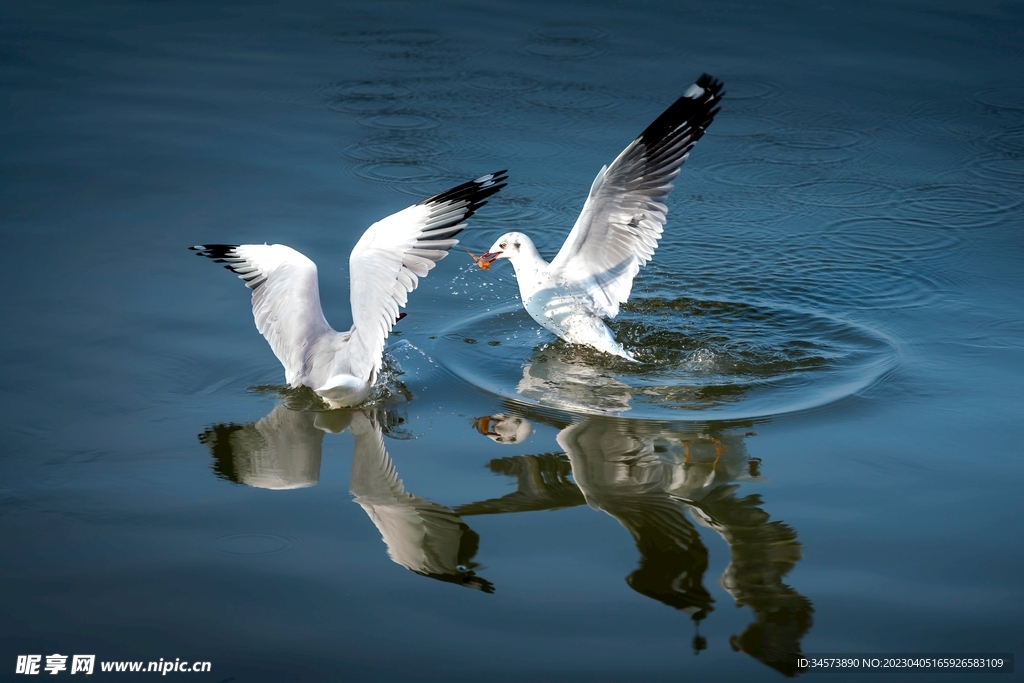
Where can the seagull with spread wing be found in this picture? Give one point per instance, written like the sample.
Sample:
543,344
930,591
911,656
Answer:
384,267
617,231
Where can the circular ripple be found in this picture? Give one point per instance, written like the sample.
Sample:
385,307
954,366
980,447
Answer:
699,360
413,50
400,121
365,97
742,126
1002,98
751,89
391,147
1001,333
1010,140
514,212
818,139
570,32
253,544
844,194
570,97
883,284
411,37
355,37
776,153
402,51
417,180
894,236
935,120
757,174
496,82
566,41
999,168
963,206
398,173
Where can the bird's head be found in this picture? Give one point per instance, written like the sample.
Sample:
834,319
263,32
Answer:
504,429
509,245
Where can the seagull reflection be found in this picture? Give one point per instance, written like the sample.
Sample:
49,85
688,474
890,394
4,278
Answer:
279,451
622,475
283,450
542,484
653,478
424,537
552,379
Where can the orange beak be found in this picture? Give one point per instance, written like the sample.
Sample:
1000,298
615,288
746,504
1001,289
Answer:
483,425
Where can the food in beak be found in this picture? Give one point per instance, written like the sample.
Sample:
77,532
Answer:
483,425
484,260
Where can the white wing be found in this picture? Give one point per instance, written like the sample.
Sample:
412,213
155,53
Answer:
394,253
622,219
285,300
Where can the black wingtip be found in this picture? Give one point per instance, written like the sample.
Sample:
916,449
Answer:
214,251
709,82
475,192
693,112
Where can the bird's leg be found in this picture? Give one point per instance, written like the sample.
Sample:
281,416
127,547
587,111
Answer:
719,450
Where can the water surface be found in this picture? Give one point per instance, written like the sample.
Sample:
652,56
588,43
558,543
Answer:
819,451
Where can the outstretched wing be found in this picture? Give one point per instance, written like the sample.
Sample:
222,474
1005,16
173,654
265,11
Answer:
622,219
395,252
285,298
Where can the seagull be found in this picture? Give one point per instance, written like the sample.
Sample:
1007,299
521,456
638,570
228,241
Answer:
384,267
617,231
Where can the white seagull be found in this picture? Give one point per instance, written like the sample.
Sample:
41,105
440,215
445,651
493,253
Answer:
384,267
617,231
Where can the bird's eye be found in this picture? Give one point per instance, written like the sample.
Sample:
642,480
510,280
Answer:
502,245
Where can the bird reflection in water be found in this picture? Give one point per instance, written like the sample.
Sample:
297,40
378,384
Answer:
654,478
283,450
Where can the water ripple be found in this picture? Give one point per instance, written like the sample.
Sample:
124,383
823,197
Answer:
963,206
845,193
880,285
400,121
699,360
758,174
894,236
999,168
743,126
743,89
253,544
1011,98
413,50
571,97
397,147
365,97
566,42
494,82
399,173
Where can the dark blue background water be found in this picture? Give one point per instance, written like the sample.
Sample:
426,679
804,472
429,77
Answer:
822,453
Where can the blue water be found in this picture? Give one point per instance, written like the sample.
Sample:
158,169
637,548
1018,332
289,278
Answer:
820,451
